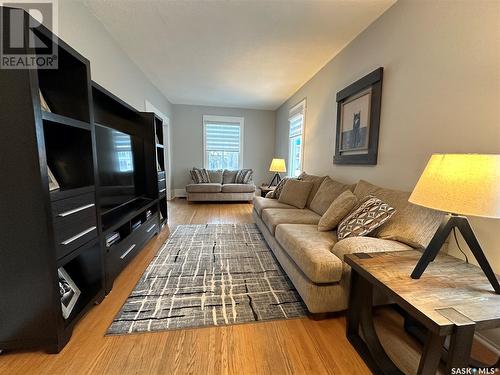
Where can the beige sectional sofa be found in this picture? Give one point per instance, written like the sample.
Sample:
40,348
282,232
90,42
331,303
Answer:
222,187
314,260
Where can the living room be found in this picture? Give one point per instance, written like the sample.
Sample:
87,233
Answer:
250,187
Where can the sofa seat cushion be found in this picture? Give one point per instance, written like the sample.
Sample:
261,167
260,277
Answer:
311,251
204,188
411,224
272,217
260,203
238,188
353,245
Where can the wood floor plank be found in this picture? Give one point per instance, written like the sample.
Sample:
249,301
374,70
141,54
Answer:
297,346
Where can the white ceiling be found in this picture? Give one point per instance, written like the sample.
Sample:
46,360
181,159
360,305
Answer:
249,54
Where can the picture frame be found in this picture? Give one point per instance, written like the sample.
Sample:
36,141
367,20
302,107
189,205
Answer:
53,184
358,120
69,292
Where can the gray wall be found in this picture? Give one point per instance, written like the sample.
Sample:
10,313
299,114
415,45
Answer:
187,136
110,65
441,94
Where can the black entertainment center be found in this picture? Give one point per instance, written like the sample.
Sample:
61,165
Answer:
62,248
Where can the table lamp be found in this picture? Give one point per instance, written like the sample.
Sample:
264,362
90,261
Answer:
277,166
459,184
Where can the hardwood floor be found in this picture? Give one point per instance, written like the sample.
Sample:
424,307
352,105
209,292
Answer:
299,346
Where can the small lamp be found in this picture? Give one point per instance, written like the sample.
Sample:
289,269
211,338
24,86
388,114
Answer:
460,184
277,166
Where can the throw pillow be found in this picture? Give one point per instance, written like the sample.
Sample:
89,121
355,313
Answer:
339,208
413,225
328,191
295,193
228,177
243,176
215,176
371,214
200,176
277,191
316,180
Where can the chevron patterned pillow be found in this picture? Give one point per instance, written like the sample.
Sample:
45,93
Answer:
368,216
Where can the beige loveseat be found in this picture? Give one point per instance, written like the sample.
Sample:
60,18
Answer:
222,187
313,260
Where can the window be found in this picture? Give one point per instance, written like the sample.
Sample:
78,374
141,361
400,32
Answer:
296,121
123,147
223,142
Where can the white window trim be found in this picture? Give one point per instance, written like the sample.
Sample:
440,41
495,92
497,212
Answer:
303,104
223,119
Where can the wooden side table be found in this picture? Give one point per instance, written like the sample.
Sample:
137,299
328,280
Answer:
452,298
264,189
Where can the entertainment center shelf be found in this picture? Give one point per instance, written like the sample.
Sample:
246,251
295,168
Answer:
82,165
63,120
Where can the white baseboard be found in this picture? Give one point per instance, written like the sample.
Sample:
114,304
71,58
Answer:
180,193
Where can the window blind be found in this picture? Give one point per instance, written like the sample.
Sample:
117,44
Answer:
222,137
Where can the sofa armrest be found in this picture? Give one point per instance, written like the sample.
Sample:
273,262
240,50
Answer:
366,245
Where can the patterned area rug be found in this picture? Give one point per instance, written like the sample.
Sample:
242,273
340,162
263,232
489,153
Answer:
208,275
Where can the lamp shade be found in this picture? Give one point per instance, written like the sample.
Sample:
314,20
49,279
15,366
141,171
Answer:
465,184
278,165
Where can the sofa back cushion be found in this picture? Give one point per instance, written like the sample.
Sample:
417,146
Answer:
243,176
411,224
295,193
316,180
229,177
328,191
215,175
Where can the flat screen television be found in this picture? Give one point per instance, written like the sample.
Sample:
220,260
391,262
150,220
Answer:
115,159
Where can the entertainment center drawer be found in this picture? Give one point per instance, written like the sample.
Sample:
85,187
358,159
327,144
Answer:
120,254
162,186
70,206
73,230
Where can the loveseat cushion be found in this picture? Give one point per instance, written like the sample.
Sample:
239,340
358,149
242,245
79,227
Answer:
353,245
229,177
411,224
260,203
328,191
275,216
310,250
316,180
215,175
238,188
204,188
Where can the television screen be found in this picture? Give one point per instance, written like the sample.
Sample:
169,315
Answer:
115,160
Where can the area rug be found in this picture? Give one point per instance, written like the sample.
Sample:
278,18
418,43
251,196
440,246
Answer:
209,275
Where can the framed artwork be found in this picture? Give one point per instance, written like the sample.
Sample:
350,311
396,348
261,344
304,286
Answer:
358,120
69,292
